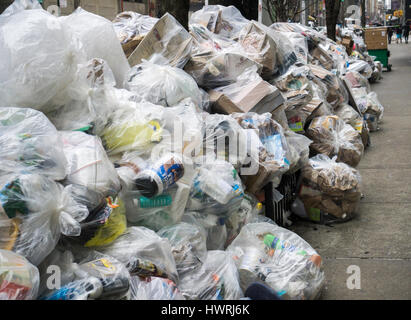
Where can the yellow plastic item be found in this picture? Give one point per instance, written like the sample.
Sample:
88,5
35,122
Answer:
132,135
112,229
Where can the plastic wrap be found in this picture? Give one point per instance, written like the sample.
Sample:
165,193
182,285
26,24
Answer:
188,243
39,57
271,147
224,21
217,279
88,164
330,191
99,40
333,137
30,143
167,43
34,212
154,288
133,127
162,85
19,280
131,28
144,253
279,258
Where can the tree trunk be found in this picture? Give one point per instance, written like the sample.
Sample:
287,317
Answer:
332,8
4,4
363,22
177,8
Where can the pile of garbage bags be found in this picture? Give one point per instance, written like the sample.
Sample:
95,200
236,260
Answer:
134,154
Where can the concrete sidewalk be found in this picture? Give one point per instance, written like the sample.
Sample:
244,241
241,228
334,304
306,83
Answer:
378,240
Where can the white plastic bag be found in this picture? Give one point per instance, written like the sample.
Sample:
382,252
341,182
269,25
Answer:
34,212
162,85
38,57
278,257
30,143
19,278
99,40
88,164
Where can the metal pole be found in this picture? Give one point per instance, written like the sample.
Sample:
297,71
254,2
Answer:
260,11
206,3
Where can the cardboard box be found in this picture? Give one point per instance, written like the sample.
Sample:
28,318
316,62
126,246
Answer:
348,43
323,58
168,39
258,96
376,38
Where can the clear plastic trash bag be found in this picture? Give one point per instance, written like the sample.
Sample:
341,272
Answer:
79,277
217,279
224,21
154,288
35,211
99,40
188,243
19,280
333,137
162,85
30,143
330,190
144,253
88,164
267,253
39,56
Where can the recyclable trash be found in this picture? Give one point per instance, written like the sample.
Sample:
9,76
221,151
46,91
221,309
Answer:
30,143
39,57
154,288
167,43
95,277
332,137
279,258
162,85
329,190
188,244
146,161
99,37
19,280
217,279
144,253
131,28
34,212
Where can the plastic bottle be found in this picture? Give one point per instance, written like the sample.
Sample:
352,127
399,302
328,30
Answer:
160,177
78,290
